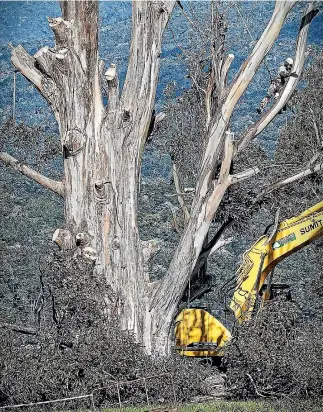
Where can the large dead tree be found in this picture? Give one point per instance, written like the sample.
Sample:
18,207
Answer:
102,150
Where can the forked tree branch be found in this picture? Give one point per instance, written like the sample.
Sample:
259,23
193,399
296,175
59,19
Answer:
209,193
238,87
263,122
260,50
53,185
225,178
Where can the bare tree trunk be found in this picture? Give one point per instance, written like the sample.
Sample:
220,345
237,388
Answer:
102,146
102,149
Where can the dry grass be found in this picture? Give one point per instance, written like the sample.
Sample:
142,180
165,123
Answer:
234,406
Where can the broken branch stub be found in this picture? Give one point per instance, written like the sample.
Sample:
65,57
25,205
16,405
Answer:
64,239
61,29
225,69
111,76
45,59
90,253
25,64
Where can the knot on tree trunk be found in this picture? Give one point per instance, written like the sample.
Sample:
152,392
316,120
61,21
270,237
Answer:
73,142
116,243
126,115
101,191
82,239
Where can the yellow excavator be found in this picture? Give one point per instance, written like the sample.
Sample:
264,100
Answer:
198,333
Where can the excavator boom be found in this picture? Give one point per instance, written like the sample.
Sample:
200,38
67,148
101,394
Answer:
291,235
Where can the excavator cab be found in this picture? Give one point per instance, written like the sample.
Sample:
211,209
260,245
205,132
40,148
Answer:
199,334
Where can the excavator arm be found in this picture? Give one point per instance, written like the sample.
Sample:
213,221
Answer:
198,333
292,235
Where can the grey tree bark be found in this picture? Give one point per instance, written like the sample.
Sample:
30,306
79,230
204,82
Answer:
102,149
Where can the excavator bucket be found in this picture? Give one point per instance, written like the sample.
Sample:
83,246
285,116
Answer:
198,333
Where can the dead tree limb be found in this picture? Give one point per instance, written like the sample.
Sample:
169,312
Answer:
316,130
64,239
299,59
53,185
180,197
19,329
291,179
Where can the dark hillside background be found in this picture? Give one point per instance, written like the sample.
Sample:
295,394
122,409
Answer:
30,215
25,23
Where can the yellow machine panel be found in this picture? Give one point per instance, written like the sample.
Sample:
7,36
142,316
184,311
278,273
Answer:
198,333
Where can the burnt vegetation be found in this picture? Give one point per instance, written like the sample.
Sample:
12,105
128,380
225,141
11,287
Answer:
277,354
72,348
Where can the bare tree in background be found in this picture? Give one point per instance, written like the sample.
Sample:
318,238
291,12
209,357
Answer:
102,150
